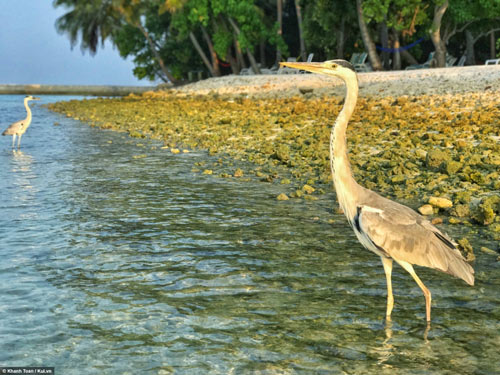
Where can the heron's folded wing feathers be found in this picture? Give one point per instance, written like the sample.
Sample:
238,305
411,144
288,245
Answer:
407,236
14,128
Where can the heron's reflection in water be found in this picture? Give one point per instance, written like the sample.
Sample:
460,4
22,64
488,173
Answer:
388,348
23,189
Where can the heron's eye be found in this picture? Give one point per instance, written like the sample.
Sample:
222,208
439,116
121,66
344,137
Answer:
334,66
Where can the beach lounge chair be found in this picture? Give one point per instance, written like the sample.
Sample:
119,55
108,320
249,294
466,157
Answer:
285,70
461,62
425,65
309,59
492,62
450,60
358,61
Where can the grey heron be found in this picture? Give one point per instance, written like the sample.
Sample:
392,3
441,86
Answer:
389,229
19,128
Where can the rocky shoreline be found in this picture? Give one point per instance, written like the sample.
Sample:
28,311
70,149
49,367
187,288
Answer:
435,146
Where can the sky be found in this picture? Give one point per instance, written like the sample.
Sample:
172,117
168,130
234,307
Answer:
33,52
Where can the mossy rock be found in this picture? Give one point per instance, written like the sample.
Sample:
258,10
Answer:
487,209
308,189
461,210
463,196
136,134
450,167
282,153
466,247
435,158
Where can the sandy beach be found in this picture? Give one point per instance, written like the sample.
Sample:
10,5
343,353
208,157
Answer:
453,80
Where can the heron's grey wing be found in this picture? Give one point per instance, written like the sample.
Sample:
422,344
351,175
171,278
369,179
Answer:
405,235
14,128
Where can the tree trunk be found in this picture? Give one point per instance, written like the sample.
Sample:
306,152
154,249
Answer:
367,40
157,56
239,54
215,71
470,58
341,39
384,38
396,60
493,51
251,58
303,52
233,62
201,53
439,45
279,9
262,52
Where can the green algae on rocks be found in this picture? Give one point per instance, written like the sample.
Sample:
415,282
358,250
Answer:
407,148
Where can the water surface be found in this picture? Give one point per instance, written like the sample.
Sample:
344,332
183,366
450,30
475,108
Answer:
116,258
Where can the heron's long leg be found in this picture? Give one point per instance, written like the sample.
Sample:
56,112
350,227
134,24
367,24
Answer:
13,140
427,294
387,263
19,141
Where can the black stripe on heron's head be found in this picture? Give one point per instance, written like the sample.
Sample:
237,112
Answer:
345,64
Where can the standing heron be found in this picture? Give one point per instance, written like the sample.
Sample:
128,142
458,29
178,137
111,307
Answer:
19,128
389,229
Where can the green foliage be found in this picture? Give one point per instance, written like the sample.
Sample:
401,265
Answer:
148,29
173,50
90,21
322,18
402,15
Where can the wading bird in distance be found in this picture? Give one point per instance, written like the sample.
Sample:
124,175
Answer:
389,229
19,128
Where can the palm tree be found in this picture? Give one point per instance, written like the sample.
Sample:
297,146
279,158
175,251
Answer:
94,21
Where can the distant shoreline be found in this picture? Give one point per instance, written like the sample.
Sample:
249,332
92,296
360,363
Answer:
92,90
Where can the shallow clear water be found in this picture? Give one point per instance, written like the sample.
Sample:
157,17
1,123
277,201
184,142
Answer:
111,264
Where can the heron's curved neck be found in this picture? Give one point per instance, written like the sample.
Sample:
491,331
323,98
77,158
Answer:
347,189
28,110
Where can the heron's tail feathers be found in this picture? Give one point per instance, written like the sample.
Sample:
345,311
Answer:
458,266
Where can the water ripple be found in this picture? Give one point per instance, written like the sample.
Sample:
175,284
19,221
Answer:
114,264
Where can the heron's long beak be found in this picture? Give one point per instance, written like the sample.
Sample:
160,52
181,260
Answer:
314,67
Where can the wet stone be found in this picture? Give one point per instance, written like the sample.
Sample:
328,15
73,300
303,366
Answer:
440,202
426,209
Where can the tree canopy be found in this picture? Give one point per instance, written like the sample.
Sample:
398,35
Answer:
170,39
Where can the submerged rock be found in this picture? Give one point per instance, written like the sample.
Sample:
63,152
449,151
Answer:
308,189
282,197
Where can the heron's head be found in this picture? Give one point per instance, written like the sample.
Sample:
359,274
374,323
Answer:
337,68
29,97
